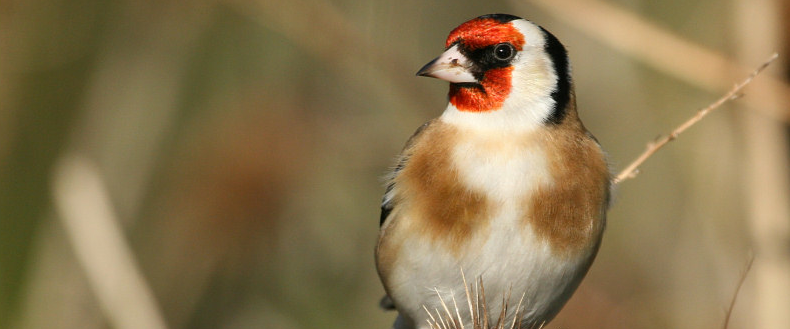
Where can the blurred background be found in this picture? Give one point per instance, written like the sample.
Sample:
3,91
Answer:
219,164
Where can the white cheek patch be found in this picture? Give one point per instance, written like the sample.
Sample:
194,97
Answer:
533,81
533,36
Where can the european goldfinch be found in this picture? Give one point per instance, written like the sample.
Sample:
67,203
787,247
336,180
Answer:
506,185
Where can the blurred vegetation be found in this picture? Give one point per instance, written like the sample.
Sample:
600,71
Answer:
243,144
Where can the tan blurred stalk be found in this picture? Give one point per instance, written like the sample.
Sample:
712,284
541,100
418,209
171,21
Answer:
84,207
758,29
665,51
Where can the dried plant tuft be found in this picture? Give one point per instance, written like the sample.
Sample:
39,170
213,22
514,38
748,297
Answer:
478,310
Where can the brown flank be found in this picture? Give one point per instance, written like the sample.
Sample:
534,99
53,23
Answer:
446,209
570,213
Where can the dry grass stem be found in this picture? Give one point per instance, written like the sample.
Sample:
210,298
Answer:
632,169
746,270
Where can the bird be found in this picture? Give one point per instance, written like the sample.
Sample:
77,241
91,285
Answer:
506,185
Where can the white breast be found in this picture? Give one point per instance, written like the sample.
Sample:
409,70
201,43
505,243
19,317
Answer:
512,257
506,170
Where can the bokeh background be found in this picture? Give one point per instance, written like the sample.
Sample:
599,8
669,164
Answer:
218,164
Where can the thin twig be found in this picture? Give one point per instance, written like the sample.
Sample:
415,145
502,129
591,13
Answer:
632,169
737,290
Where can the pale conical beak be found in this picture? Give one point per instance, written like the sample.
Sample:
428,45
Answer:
450,66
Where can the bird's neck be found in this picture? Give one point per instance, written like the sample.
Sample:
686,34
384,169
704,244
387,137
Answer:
515,115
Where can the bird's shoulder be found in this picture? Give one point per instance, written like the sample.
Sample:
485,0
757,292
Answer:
388,201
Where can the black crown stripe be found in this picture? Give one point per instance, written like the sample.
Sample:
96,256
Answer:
502,18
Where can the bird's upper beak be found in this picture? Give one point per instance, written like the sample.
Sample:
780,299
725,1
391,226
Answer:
450,66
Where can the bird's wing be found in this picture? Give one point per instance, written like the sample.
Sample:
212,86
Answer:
387,202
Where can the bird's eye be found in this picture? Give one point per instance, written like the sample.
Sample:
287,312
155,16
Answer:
504,52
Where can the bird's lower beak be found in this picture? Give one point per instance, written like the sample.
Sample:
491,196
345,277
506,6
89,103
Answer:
450,66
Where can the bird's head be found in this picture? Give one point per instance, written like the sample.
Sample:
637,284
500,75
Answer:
507,65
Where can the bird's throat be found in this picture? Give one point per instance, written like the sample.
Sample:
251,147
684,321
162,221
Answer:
488,95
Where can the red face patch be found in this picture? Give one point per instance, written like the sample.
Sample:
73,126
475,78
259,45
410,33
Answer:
496,87
476,34
479,33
